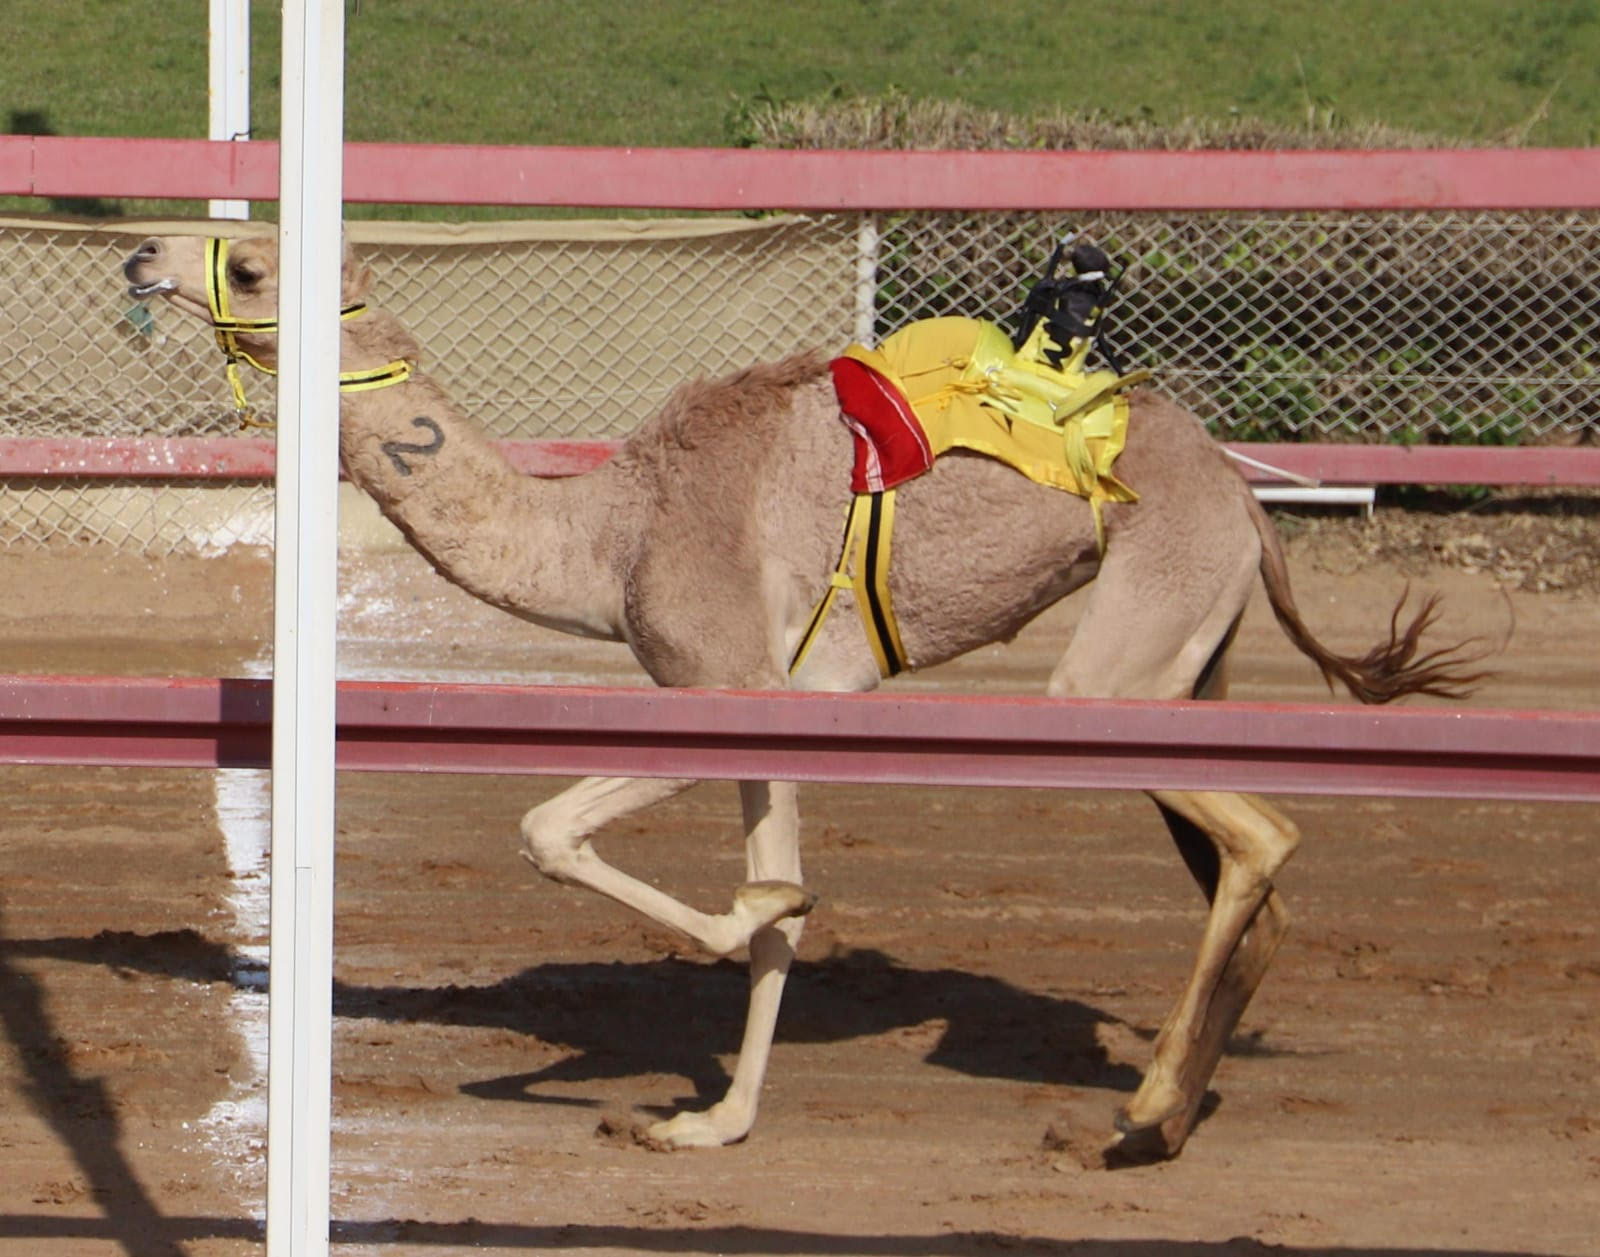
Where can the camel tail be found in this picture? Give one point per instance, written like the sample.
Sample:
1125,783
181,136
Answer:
1391,669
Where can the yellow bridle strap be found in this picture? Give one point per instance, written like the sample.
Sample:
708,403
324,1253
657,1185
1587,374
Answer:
867,531
226,328
374,377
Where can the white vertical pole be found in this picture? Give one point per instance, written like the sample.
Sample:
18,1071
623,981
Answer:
230,85
867,281
300,1033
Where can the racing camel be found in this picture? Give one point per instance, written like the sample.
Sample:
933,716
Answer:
704,544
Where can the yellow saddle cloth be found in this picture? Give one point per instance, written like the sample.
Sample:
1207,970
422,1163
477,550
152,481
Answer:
943,384
969,389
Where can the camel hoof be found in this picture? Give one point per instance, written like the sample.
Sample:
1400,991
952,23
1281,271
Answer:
1164,1135
1141,1147
686,1130
1127,1124
767,903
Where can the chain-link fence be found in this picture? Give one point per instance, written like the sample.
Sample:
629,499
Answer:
538,330
1417,327
1367,327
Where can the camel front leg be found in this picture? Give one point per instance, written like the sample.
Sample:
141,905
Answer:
772,837
555,840
1247,921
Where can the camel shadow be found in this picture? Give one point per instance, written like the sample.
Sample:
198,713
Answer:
677,1017
866,992
609,1014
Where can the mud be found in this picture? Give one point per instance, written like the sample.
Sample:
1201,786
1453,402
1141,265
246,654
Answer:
976,993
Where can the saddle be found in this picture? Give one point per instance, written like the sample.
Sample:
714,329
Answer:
956,383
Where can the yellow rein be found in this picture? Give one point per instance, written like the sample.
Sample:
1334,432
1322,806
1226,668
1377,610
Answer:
227,328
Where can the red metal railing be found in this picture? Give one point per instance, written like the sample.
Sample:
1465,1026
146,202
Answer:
254,458
741,179
876,738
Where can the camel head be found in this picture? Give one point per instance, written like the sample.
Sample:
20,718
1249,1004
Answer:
230,284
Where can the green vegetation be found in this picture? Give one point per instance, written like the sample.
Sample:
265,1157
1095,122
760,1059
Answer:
671,72
847,73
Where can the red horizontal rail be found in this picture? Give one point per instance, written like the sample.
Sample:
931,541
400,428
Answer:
139,458
246,458
231,458
1428,464
755,179
874,738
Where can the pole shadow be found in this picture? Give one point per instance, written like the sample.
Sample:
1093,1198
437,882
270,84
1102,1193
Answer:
83,1117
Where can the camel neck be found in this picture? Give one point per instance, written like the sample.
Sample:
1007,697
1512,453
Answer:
542,549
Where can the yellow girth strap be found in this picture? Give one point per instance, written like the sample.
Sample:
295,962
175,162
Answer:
227,328
864,570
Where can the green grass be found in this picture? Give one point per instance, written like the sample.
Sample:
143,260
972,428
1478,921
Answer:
683,72
672,71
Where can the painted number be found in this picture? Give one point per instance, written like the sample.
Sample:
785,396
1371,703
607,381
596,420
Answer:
395,449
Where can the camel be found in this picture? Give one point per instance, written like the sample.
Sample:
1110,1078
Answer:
704,544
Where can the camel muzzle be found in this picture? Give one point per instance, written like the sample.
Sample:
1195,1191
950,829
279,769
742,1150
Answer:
132,267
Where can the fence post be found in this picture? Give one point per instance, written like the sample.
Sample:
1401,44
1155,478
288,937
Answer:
300,1003
230,85
867,280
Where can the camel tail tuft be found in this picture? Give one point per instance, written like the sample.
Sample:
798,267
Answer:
1391,669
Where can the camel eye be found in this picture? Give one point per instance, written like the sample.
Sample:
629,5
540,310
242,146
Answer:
242,276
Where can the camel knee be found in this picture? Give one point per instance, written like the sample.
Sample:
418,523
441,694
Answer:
1279,838
1257,836
1254,839
1255,857
550,844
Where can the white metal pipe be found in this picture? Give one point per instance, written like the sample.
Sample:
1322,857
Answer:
867,281
1325,495
300,1030
230,85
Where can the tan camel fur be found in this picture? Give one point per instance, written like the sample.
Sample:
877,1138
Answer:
705,543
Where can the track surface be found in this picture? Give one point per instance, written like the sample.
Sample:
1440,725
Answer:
976,993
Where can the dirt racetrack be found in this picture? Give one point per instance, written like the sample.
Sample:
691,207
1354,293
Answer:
976,992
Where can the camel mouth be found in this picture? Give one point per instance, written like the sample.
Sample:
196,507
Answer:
152,288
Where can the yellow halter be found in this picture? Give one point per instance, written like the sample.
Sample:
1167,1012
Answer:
227,328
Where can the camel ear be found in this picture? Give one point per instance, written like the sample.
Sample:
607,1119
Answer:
356,279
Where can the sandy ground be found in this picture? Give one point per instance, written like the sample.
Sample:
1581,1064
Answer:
976,992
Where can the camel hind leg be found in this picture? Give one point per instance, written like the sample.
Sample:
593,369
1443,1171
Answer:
1250,841
1169,1102
1148,632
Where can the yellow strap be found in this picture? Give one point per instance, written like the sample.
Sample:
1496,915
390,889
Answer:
225,326
814,626
872,583
868,528
839,580
374,377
